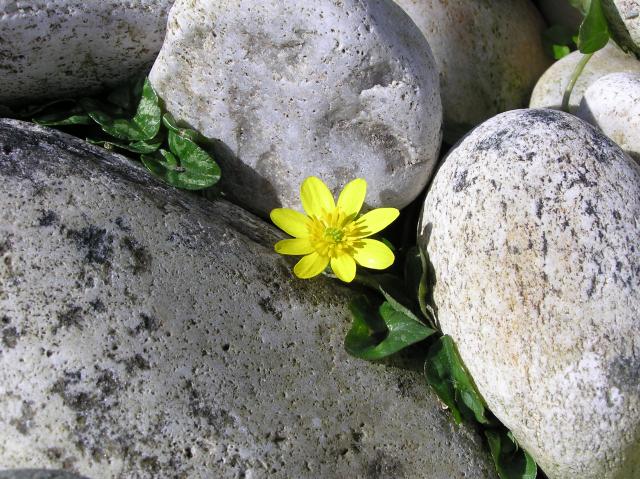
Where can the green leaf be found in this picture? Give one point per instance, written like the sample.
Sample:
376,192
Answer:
169,121
367,340
142,147
582,5
558,41
416,279
186,166
63,119
448,377
144,126
512,462
594,31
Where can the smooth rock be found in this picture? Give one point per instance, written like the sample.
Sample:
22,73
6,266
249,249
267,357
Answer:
613,104
489,54
148,333
623,18
561,12
337,90
59,48
532,229
38,474
550,89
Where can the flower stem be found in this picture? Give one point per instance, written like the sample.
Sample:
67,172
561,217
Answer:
572,81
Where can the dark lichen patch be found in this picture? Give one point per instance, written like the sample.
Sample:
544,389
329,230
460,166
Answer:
200,407
70,317
266,304
6,245
150,464
140,255
10,337
121,223
384,467
136,363
47,218
98,306
624,372
25,422
107,383
148,323
495,141
95,242
460,182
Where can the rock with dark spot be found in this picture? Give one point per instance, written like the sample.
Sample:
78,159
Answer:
489,54
65,48
551,86
540,286
612,103
39,474
337,90
216,362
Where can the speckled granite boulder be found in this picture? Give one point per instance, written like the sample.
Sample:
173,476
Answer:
624,20
38,474
550,88
489,54
147,333
613,104
58,48
337,90
532,229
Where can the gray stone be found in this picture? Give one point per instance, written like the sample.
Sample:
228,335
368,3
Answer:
58,48
532,229
551,86
337,90
489,54
149,333
624,22
613,105
38,474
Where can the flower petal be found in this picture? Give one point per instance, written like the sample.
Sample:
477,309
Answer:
296,246
316,198
352,197
373,254
291,222
311,265
344,266
374,221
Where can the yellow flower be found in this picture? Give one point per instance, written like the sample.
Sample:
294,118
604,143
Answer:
333,234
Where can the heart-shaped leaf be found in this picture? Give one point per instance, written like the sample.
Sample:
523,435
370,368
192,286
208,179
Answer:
379,334
512,462
448,377
594,31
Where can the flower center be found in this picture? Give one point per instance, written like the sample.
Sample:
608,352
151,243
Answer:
335,235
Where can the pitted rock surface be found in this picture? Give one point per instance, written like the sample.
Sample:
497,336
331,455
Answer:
38,474
532,229
613,105
59,48
489,54
551,86
337,90
150,333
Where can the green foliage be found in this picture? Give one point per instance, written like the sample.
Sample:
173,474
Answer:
594,31
185,166
132,120
582,5
558,41
512,462
448,377
377,335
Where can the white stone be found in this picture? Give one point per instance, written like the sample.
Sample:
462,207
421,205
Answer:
612,104
624,21
489,55
338,90
148,333
550,89
58,48
532,227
